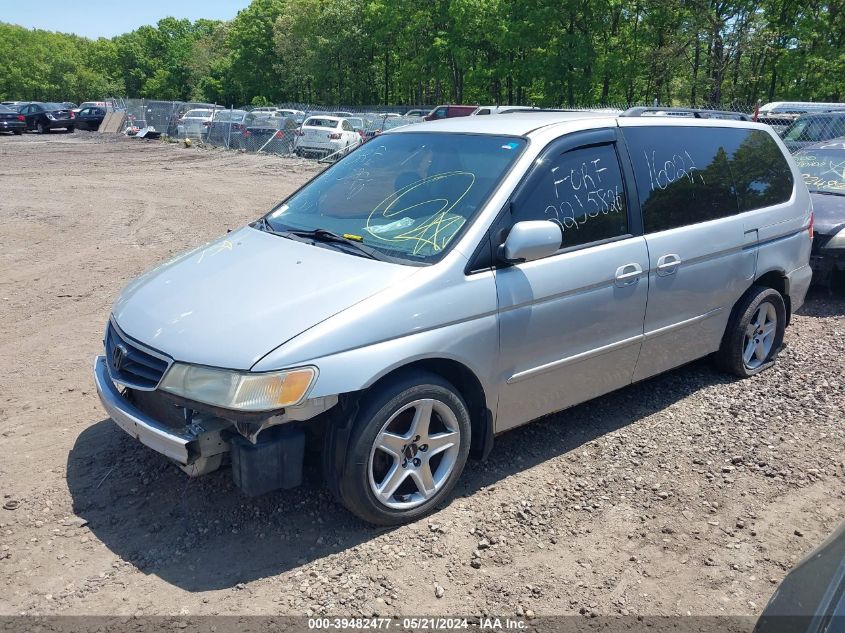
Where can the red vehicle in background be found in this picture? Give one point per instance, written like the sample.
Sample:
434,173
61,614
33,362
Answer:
450,111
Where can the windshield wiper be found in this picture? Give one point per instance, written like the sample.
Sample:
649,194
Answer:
324,235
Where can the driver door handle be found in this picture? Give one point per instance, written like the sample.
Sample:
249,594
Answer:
668,264
628,275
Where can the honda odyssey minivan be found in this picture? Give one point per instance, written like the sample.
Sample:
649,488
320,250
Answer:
451,280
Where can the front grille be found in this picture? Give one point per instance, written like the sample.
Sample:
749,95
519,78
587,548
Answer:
130,364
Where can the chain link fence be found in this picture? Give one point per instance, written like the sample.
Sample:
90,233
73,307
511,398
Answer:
279,129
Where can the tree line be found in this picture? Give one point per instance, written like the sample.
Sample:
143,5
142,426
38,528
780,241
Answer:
540,52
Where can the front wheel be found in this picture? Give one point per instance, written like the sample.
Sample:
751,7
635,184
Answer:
754,334
40,128
408,447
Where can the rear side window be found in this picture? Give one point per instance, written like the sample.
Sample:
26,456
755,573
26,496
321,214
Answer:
582,191
761,174
687,175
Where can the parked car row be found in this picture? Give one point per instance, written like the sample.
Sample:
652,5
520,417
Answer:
43,117
288,131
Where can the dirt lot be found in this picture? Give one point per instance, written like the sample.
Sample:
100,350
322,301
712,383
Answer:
690,493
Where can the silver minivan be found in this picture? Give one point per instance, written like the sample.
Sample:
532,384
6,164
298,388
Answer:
452,280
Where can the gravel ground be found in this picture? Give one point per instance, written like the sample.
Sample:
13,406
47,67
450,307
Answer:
690,493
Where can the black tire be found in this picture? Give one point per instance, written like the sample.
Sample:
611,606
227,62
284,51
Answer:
70,129
352,485
18,132
39,127
730,357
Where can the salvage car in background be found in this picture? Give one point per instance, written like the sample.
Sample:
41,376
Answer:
108,105
813,128
90,118
450,111
226,127
11,120
14,105
194,123
326,135
277,135
359,124
823,168
44,117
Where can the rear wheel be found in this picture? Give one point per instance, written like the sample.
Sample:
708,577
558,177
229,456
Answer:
754,334
408,447
18,132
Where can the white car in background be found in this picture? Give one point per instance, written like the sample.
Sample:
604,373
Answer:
287,112
325,135
194,123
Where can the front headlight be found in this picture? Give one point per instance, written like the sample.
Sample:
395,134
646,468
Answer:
239,390
51,117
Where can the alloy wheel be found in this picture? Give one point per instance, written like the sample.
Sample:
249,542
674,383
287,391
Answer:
760,336
414,454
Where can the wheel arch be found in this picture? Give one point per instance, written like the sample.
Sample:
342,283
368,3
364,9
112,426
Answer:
468,385
776,279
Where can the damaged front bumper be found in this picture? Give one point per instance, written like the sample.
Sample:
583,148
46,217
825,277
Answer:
206,442
199,445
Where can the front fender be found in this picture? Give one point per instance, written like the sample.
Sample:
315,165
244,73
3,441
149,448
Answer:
473,343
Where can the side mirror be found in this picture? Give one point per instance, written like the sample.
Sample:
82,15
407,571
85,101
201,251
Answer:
530,240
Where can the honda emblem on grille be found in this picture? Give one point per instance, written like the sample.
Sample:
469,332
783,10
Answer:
118,355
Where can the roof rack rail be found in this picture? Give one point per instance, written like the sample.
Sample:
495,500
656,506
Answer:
697,113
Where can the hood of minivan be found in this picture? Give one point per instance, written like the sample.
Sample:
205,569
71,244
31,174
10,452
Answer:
230,302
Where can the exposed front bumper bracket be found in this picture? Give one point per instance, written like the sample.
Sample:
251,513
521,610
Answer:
149,432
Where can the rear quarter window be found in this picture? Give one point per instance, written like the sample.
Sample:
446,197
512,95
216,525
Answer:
687,175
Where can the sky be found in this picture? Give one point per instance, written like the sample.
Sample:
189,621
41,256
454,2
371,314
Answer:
107,18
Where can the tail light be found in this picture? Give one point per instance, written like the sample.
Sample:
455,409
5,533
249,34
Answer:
279,134
812,222
72,115
21,117
206,123
334,136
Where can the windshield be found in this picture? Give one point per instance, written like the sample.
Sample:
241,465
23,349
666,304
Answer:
406,195
229,115
53,106
823,169
322,123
